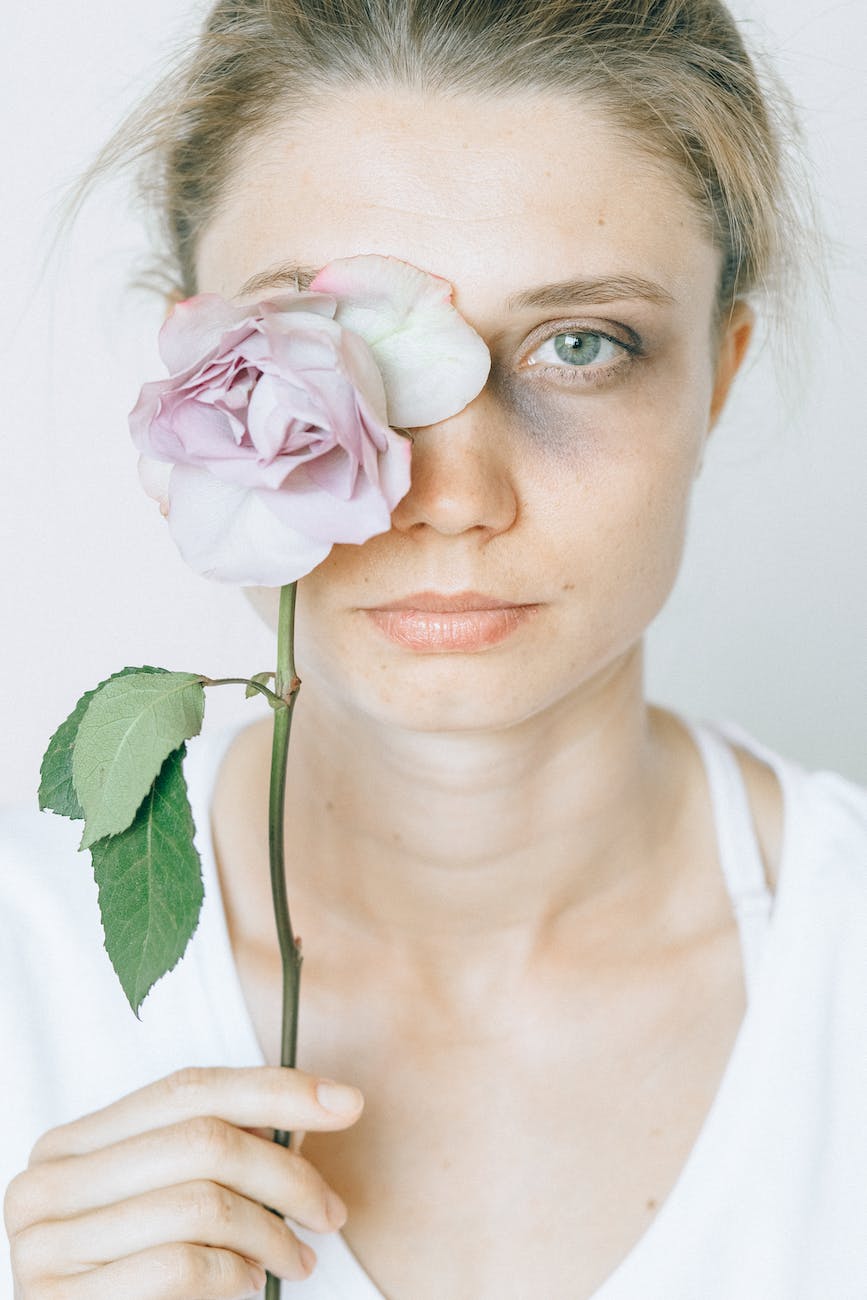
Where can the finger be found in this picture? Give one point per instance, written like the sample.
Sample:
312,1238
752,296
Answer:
202,1148
271,1096
200,1213
173,1272
298,1136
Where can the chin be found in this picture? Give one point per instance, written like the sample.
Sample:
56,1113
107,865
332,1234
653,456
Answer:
430,693
444,715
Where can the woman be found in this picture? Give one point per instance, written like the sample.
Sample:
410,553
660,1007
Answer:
582,1008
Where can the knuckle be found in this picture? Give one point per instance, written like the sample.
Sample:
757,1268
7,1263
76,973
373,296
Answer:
18,1203
183,1266
226,1269
280,1081
186,1085
47,1147
29,1251
209,1202
27,1200
209,1136
187,1269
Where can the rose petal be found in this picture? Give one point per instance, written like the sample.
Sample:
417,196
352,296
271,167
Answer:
364,373
325,516
274,406
226,533
154,476
199,325
432,361
195,327
282,304
275,426
394,470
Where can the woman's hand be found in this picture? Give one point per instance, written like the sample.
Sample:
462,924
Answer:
161,1195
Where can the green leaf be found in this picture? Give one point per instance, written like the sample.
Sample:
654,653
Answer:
128,730
56,791
150,885
263,679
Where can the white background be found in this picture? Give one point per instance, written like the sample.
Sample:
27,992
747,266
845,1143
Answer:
767,625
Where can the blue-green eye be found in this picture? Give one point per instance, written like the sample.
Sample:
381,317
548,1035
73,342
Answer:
578,349
575,348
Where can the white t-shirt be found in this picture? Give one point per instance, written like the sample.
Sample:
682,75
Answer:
772,1201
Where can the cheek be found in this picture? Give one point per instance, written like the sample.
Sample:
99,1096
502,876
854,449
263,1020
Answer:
325,631
609,480
655,408
540,421
608,454
557,429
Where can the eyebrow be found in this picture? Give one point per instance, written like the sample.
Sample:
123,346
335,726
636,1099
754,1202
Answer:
279,276
589,290
583,291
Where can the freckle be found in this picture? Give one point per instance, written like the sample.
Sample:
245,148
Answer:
651,1204
601,221
329,805
568,586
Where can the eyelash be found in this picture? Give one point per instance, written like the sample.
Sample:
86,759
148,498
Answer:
589,374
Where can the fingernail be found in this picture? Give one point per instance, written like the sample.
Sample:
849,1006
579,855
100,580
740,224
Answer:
258,1278
308,1258
335,1211
339,1098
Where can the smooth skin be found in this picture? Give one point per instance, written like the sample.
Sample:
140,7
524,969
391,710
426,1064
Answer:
502,863
162,1193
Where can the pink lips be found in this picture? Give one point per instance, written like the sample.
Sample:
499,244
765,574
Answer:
434,622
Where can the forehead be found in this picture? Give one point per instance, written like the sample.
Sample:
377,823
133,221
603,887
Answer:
490,193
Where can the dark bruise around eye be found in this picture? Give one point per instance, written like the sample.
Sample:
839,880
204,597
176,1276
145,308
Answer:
540,415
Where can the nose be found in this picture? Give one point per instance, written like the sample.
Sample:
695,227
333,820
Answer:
461,476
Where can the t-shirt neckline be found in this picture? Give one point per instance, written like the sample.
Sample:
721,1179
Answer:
221,985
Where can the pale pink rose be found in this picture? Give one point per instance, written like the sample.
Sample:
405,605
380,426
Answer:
432,361
270,440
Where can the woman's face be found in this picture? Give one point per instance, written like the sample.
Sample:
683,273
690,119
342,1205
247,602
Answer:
565,484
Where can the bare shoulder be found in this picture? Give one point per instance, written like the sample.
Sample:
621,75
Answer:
243,771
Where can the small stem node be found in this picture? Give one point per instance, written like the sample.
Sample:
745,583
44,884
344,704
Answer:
292,690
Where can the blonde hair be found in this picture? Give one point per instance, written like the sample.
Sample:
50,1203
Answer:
675,74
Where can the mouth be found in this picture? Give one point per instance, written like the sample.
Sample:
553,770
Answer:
436,623
438,602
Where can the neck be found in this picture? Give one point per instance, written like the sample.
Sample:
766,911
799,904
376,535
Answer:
451,865
426,840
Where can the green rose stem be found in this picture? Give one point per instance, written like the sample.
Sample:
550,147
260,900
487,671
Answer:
286,685
282,699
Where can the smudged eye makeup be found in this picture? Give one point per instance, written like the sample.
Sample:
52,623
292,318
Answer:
579,354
